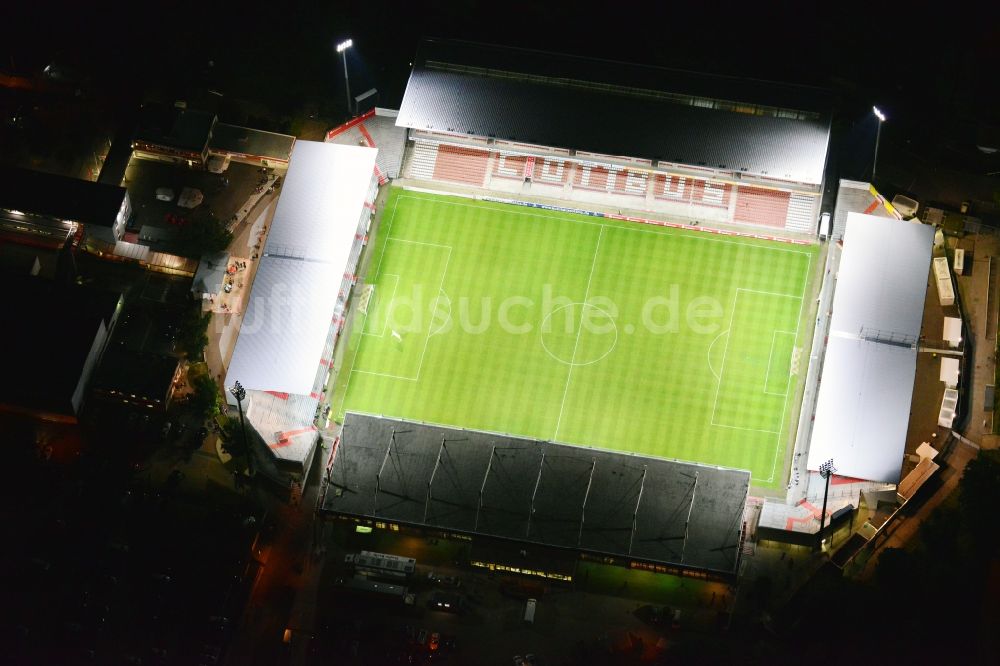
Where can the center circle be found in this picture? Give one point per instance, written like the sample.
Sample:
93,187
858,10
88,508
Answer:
578,334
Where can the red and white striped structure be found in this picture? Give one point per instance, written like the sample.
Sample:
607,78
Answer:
688,193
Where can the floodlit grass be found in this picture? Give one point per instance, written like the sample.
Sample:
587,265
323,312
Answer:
557,326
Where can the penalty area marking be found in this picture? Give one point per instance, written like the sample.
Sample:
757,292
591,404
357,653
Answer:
770,357
385,322
709,354
427,337
725,353
447,318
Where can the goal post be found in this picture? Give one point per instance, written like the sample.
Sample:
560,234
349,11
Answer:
367,294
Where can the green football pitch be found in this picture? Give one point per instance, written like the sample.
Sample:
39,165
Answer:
669,342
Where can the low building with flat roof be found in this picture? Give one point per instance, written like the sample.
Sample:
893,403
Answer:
174,134
142,379
251,146
56,337
47,209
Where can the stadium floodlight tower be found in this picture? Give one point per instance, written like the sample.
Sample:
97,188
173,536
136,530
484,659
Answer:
240,394
342,50
878,134
826,470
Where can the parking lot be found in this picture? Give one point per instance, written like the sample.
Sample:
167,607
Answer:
609,615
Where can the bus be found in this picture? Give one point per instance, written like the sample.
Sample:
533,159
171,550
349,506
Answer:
382,565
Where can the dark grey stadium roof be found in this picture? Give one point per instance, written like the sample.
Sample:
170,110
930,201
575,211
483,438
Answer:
540,492
617,109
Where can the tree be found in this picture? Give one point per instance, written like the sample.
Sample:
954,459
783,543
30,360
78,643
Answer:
979,495
192,334
203,234
896,571
232,438
205,399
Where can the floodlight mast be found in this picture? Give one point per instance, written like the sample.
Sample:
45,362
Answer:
878,134
342,50
826,470
240,394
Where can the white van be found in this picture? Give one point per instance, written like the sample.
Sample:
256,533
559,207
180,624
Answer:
529,611
824,226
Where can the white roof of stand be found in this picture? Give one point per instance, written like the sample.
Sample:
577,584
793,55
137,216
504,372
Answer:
863,407
883,275
320,204
295,290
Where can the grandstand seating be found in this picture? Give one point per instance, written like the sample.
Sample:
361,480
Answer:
510,166
608,178
424,156
589,176
461,165
552,171
705,193
800,213
691,190
374,130
757,205
692,197
671,188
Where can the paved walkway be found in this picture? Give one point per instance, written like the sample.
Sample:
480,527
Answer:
234,301
978,289
225,326
288,573
905,527
262,190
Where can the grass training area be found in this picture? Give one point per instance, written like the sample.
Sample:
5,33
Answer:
669,342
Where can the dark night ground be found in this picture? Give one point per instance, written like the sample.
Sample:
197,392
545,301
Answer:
929,60
931,67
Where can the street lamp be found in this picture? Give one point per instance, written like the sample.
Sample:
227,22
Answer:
826,470
878,134
342,50
240,394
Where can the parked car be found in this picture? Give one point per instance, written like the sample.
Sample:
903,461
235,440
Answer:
449,603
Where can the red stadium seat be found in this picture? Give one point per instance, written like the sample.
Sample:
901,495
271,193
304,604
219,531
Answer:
461,165
757,205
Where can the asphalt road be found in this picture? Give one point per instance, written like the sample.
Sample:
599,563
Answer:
284,573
